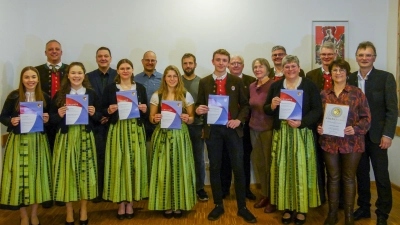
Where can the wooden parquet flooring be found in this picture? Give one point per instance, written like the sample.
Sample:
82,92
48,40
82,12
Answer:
105,214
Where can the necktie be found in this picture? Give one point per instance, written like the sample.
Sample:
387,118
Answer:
54,68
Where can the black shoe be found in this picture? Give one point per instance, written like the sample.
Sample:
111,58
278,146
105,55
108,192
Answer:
362,213
287,220
216,213
98,199
298,221
58,203
47,204
202,195
168,215
381,220
250,195
69,223
247,215
178,214
129,216
83,222
120,216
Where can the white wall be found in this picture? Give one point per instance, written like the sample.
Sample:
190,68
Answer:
171,28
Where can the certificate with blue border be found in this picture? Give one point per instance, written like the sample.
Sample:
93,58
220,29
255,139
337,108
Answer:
291,104
31,114
127,105
171,114
77,109
218,108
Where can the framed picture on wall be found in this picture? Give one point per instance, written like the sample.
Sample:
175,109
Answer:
332,31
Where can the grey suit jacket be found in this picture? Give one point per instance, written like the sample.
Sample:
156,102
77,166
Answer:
238,102
380,90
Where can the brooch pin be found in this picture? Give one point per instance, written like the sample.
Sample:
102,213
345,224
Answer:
233,88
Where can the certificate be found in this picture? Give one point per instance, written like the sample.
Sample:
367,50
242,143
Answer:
171,114
291,104
31,114
335,119
77,109
218,108
127,105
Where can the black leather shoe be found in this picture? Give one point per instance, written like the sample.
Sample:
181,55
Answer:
47,204
247,215
381,220
98,199
362,213
250,195
298,221
69,223
129,216
216,213
84,222
58,203
120,216
287,220
178,214
168,215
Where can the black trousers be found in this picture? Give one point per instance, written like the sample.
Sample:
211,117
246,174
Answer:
226,169
219,136
379,160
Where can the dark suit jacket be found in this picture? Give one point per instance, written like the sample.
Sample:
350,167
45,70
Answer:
45,76
238,102
95,80
317,77
247,80
9,111
60,122
312,103
380,90
272,73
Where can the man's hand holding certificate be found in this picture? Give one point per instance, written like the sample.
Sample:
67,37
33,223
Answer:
171,114
127,105
31,114
218,106
77,112
291,104
335,119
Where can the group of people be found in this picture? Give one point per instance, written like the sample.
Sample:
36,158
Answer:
126,160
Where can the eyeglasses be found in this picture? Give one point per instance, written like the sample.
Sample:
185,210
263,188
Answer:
339,70
290,67
278,54
236,63
365,55
150,60
327,54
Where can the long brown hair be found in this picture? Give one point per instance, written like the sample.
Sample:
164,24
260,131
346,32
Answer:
38,89
179,91
66,84
117,79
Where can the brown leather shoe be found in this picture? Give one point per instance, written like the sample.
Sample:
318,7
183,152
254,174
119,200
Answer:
269,208
262,203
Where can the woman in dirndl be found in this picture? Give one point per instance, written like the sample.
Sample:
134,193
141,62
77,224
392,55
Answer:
294,177
26,177
172,180
125,173
74,156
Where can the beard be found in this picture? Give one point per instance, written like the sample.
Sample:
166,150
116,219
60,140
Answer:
189,72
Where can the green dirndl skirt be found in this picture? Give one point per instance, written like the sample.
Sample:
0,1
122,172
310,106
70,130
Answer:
173,180
75,165
294,180
26,177
125,172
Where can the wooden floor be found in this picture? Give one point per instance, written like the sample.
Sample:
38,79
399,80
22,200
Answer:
105,214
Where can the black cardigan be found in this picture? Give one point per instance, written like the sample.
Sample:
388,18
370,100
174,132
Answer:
312,104
9,111
60,122
110,97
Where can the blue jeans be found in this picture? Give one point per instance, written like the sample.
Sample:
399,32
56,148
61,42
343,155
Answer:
198,154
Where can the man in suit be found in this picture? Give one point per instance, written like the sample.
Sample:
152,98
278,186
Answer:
236,66
323,80
230,135
51,74
99,79
276,72
191,82
380,89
